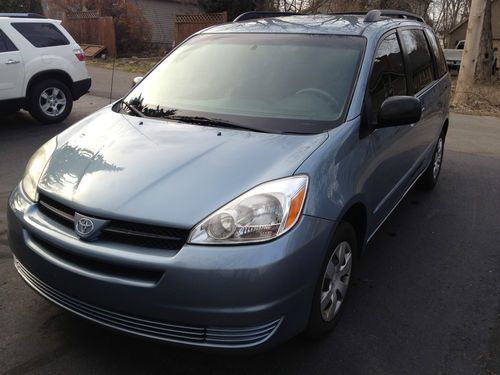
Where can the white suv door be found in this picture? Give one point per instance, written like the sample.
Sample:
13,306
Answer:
11,69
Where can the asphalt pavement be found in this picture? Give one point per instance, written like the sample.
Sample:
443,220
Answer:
426,299
107,84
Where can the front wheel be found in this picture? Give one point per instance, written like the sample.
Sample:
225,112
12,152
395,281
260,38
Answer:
430,177
334,281
50,101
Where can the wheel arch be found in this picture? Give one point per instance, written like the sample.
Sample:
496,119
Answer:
50,74
357,216
445,127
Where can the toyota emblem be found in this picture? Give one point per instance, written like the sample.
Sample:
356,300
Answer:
84,227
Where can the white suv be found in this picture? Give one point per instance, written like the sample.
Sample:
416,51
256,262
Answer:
42,68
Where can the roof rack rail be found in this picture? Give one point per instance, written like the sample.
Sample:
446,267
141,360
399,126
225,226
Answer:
254,15
22,15
375,15
356,13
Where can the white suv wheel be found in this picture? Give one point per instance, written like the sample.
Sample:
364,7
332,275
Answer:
52,101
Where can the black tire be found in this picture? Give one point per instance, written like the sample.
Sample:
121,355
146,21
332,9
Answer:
317,326
430,177
57,91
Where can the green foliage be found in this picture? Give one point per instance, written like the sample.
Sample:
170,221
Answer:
20,6
233,8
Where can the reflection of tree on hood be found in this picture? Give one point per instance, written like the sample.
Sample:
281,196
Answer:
69,163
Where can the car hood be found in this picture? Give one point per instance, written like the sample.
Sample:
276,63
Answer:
117,166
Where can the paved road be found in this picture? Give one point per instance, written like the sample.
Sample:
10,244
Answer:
101,82
427,299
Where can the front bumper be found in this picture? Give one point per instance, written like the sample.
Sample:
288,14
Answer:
227,297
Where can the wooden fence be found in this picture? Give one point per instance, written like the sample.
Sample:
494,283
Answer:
90,28
188,24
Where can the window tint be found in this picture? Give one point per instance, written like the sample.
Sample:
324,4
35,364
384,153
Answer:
420,61
388,75
5,44
41,34
438,54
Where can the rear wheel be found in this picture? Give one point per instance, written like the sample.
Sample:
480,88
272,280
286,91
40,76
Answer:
50,101
334,282
430,177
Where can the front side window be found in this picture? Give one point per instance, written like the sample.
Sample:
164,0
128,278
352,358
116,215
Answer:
41,34
5,43
388,73
297,83
419,58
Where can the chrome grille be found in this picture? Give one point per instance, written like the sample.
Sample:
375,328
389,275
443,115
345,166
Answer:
138,234
217,337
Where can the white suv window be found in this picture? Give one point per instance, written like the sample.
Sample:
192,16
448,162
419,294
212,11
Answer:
5,43
41,34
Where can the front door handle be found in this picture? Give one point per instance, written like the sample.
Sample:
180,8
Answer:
10,62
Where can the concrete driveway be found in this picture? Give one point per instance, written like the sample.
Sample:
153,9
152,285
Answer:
426,300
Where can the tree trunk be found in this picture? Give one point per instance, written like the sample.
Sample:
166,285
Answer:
471,51
485,57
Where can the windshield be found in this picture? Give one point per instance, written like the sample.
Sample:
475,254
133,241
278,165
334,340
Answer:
297,83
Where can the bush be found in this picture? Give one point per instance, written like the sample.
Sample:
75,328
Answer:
133,31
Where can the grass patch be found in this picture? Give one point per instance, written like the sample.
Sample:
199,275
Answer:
482,99
126,64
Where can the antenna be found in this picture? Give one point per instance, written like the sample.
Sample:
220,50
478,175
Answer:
112,81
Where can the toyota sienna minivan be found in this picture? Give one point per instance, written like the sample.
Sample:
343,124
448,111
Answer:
225,200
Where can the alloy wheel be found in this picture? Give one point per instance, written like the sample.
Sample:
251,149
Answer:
52,101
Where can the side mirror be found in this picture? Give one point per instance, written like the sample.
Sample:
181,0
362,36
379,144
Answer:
399,110
136,80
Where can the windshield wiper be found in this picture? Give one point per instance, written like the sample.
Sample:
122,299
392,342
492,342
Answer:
133,108
205,121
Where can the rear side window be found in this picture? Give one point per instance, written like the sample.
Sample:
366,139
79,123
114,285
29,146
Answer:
6,44
41,34
388,74
441,68
419,58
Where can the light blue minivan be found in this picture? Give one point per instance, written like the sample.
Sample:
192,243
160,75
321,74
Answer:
224,202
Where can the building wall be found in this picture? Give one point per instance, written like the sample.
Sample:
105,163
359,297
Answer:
457,35
460,32
161,16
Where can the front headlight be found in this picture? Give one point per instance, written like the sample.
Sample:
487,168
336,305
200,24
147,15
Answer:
263,213
35,168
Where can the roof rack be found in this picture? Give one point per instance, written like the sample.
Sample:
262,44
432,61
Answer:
375,15
254,15
22,15
372,16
